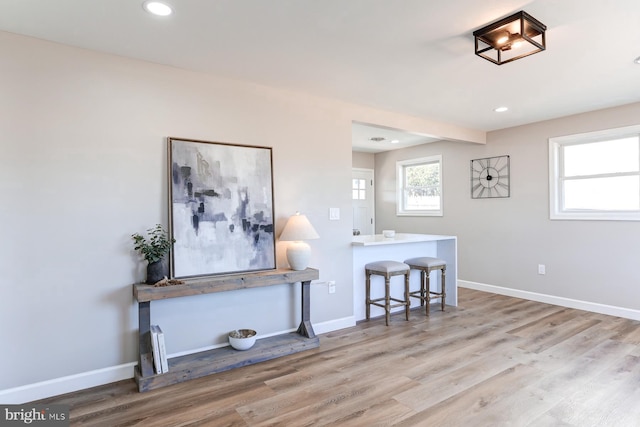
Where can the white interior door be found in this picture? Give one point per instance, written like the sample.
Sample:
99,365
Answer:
363,201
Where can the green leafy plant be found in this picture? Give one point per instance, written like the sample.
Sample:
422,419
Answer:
156,247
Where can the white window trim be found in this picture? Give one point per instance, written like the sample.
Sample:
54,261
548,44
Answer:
400,164
555,194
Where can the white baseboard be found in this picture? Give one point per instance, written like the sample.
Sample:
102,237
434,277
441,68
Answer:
68,384
71,383
334,325
594,307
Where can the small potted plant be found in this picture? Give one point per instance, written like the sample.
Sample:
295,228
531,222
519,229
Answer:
155,250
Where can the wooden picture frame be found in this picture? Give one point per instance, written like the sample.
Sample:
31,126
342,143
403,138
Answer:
220,208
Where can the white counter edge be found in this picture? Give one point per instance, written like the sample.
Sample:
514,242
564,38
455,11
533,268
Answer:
379,239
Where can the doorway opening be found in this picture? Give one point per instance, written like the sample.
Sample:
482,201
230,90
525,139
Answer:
363,203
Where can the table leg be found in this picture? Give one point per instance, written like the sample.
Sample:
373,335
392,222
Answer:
145,362
305,328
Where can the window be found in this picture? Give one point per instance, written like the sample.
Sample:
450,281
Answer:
419,186
359,189
595,175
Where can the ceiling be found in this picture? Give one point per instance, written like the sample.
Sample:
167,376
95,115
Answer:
412,56
376,139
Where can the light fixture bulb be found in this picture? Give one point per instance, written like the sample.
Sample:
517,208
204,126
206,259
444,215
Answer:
503,39
157,8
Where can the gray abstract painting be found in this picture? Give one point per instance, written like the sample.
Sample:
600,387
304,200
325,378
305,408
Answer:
221,208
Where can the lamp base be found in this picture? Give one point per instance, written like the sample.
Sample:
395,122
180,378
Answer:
298,255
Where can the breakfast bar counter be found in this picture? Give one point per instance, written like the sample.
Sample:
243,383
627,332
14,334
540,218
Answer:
402,246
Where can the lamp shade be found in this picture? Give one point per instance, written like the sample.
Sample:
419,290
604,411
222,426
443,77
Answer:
511,38
297,229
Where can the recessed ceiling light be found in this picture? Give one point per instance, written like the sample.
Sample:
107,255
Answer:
377,138
500,109
637,60
157,8
395,141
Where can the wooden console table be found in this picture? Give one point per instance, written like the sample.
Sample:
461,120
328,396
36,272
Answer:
197,365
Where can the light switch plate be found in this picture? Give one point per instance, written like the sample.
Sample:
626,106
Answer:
334,214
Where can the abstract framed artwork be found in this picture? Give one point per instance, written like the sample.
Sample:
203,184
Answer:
220,208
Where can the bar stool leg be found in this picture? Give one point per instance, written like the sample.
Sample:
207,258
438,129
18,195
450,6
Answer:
407,301
444,292
427,285
368,297
422,284
387,299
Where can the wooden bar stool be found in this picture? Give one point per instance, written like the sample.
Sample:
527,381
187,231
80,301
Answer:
387,269
426,265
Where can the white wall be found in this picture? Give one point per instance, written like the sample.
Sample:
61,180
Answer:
363,160
501,241
83,166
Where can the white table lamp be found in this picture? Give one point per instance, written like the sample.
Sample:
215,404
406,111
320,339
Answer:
297,229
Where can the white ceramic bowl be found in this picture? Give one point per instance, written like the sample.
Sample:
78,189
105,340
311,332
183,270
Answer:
242,339
389,233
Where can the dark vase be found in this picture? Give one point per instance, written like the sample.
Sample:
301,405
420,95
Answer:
156,271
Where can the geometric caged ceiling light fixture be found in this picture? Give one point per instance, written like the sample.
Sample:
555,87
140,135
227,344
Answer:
510,38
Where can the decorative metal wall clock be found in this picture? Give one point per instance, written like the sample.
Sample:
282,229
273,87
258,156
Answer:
490,177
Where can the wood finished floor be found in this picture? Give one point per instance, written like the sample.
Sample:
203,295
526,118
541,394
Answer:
492,361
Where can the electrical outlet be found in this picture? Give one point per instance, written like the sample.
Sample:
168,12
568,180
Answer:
332,286
542,269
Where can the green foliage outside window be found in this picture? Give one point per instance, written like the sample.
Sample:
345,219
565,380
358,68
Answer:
423,180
